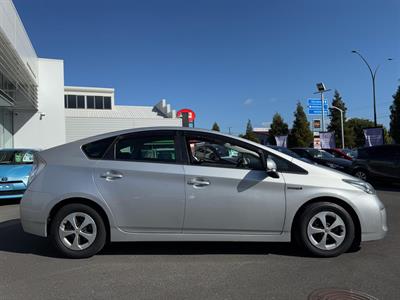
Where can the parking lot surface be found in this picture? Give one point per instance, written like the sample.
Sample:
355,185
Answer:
31,269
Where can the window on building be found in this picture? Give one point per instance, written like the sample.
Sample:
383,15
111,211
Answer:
92,102
89,101
81,101
107,102
71,101
98,102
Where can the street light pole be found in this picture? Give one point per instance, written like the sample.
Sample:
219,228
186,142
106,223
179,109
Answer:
341,122
321,90
373,76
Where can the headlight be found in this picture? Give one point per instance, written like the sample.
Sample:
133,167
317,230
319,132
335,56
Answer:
362,185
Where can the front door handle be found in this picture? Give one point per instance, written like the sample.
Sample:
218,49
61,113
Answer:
111,175
198,182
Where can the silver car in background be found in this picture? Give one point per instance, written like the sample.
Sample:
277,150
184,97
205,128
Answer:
182,184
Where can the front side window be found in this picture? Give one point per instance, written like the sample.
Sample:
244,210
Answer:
218,153
153,149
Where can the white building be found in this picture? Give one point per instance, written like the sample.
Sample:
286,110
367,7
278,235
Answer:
38,111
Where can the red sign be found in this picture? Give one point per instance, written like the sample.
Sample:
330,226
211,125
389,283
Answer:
191,114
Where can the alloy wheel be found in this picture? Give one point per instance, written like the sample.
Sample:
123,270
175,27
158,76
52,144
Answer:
361,174
326,230
77,231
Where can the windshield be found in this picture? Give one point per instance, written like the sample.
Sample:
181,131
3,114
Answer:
16,157
316,153
351,153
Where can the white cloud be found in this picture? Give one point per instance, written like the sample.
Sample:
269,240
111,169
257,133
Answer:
248,101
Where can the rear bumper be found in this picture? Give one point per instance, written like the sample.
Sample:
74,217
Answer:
33,215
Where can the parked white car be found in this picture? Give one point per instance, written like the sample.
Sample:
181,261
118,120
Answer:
182,184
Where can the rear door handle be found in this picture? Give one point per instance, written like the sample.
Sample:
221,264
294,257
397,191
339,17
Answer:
198,182
111,175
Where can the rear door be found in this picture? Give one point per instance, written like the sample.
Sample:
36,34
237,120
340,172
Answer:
384,161
142,179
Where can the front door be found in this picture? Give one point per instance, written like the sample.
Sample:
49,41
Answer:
143,183
229,191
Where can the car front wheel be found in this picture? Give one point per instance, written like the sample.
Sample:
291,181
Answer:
78,231
362,174
326,229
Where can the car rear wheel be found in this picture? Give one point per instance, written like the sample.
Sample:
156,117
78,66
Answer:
78,231
326,229
360,173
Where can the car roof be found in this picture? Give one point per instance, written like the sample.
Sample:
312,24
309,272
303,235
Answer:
161,128
381,146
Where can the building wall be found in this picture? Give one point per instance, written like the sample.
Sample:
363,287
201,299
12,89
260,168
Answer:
13,28
45,127
82,127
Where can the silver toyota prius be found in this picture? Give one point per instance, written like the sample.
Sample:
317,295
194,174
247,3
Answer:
182,184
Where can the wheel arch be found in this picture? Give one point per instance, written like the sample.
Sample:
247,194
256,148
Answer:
84,201
334,200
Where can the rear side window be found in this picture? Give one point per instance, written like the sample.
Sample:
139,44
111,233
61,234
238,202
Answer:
152,149
97,149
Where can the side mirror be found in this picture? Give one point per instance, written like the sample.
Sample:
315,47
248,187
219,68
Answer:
271,168
271,165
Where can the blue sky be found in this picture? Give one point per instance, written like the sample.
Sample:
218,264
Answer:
227,60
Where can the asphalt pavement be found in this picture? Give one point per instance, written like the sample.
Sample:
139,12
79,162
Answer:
31,269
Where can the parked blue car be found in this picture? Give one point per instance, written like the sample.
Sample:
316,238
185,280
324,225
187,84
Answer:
15,166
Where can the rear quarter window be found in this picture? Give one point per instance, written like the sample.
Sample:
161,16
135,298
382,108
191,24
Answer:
97,149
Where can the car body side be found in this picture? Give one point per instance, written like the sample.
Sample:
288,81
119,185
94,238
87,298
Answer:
384,165
78,171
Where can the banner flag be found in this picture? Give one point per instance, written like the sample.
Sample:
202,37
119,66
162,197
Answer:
327,140
281,140
373,136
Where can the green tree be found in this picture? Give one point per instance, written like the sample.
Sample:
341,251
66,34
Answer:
335,121
300,135
356,126
278,127
215,127
250,135
395,117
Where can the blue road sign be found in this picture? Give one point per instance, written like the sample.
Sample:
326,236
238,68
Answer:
316,102
317,112
317,107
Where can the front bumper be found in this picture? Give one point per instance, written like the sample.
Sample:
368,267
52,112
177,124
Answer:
13,195
380,230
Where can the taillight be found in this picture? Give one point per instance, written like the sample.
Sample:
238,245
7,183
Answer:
37,166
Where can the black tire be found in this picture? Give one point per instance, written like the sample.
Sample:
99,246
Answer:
99,241
361,173
313,209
